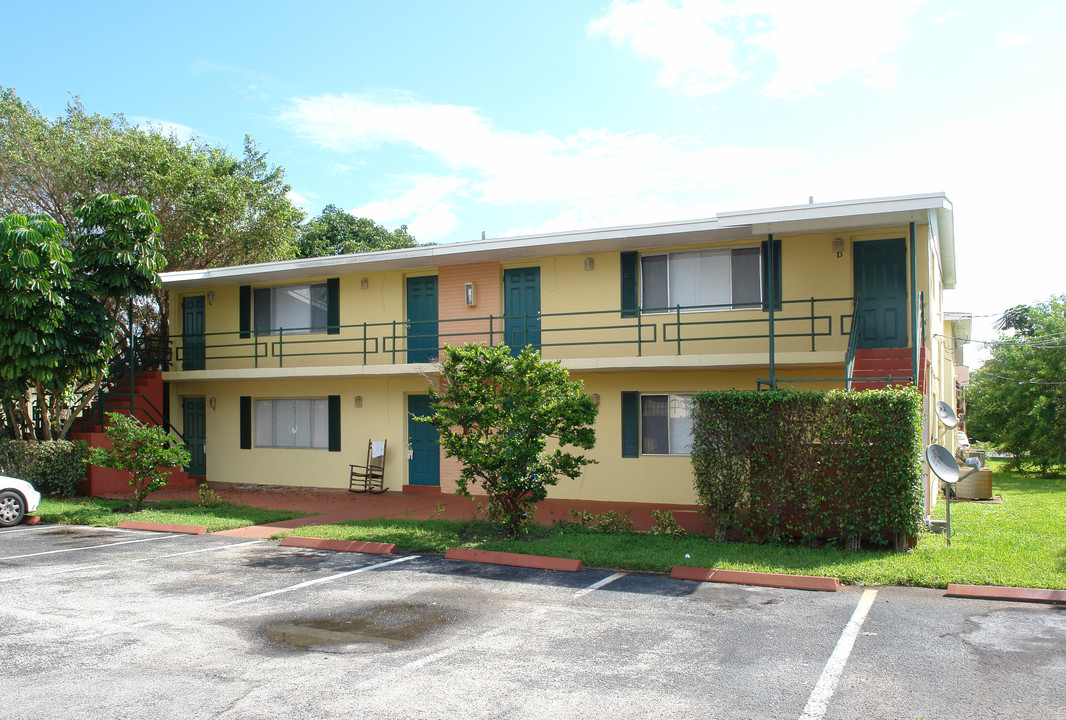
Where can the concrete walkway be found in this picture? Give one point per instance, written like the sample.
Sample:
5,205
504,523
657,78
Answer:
327,505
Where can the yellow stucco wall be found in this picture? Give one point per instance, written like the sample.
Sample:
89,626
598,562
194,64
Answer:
810,268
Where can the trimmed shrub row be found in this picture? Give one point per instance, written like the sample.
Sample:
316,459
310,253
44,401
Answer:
809,465
54,467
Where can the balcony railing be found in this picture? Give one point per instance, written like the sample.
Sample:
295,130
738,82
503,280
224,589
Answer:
807,325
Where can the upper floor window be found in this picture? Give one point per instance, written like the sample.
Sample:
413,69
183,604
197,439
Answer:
702,280
293,308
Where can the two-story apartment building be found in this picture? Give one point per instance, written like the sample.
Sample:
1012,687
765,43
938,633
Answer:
283,371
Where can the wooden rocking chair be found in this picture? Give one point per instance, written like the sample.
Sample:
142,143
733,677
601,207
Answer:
370,476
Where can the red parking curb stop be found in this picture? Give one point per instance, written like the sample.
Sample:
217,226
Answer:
991,592
163,527
537,562
744,577
339,545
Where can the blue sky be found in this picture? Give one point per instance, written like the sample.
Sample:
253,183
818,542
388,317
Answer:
520,117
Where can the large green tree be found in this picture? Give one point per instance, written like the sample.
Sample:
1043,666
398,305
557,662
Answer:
58,326
214,209
497,413
1017,399
336,232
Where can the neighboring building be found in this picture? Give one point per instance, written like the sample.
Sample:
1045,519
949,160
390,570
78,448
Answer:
283,371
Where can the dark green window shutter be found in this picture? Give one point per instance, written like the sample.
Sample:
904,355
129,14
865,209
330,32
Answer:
766,275
630,424
334,412
333,308
246,422
630,284
245,322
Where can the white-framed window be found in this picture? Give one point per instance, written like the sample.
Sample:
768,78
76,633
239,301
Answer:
294,308
666,424
292,423
702,280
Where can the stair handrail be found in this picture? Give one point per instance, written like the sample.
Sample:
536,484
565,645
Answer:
853,342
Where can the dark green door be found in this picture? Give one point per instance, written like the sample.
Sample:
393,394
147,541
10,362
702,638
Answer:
521,308
422,319
195,432
424,466
881,286
192,333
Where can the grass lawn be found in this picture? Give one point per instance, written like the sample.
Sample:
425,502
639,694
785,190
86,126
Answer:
109,513
1020,543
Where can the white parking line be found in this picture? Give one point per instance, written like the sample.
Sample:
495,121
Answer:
290,588
8,531
598,585
91,547
823,691
193,552
440,654
46,573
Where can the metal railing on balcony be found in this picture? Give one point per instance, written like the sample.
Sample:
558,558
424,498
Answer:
810,324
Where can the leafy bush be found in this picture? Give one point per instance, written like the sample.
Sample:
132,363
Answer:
664,523
809,465
609,521
53,467
145,452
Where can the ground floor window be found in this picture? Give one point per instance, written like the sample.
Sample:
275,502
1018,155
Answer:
292,423
666,424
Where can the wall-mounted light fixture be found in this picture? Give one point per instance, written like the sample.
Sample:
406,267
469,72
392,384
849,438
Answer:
359,401
596,398
364,283
589,264
470,295
213,402
838,246
210,297
410,449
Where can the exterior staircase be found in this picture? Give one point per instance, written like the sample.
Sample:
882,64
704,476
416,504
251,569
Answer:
874,365
148,398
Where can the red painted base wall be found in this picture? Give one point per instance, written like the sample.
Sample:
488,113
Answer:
107,481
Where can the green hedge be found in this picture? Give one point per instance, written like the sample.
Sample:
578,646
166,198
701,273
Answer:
54,467
809,465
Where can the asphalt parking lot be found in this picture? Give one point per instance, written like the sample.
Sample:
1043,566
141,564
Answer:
108,623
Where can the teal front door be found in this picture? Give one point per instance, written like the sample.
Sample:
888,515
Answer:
422,344
424,466
521,308
193,351
881,286
194,423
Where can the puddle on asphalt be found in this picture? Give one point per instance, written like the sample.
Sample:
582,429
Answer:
389,625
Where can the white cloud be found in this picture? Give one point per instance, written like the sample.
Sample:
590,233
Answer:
688,39
184,133
589,177
950,16
307,203
707,46
1009,39
426,205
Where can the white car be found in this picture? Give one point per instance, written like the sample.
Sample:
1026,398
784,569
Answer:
17,497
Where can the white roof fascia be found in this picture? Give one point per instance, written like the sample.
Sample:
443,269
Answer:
824,217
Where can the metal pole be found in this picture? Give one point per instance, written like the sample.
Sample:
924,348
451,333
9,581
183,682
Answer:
947,507
771,299
914,309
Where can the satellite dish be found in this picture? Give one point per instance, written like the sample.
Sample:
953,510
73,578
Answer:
946,414
942,463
